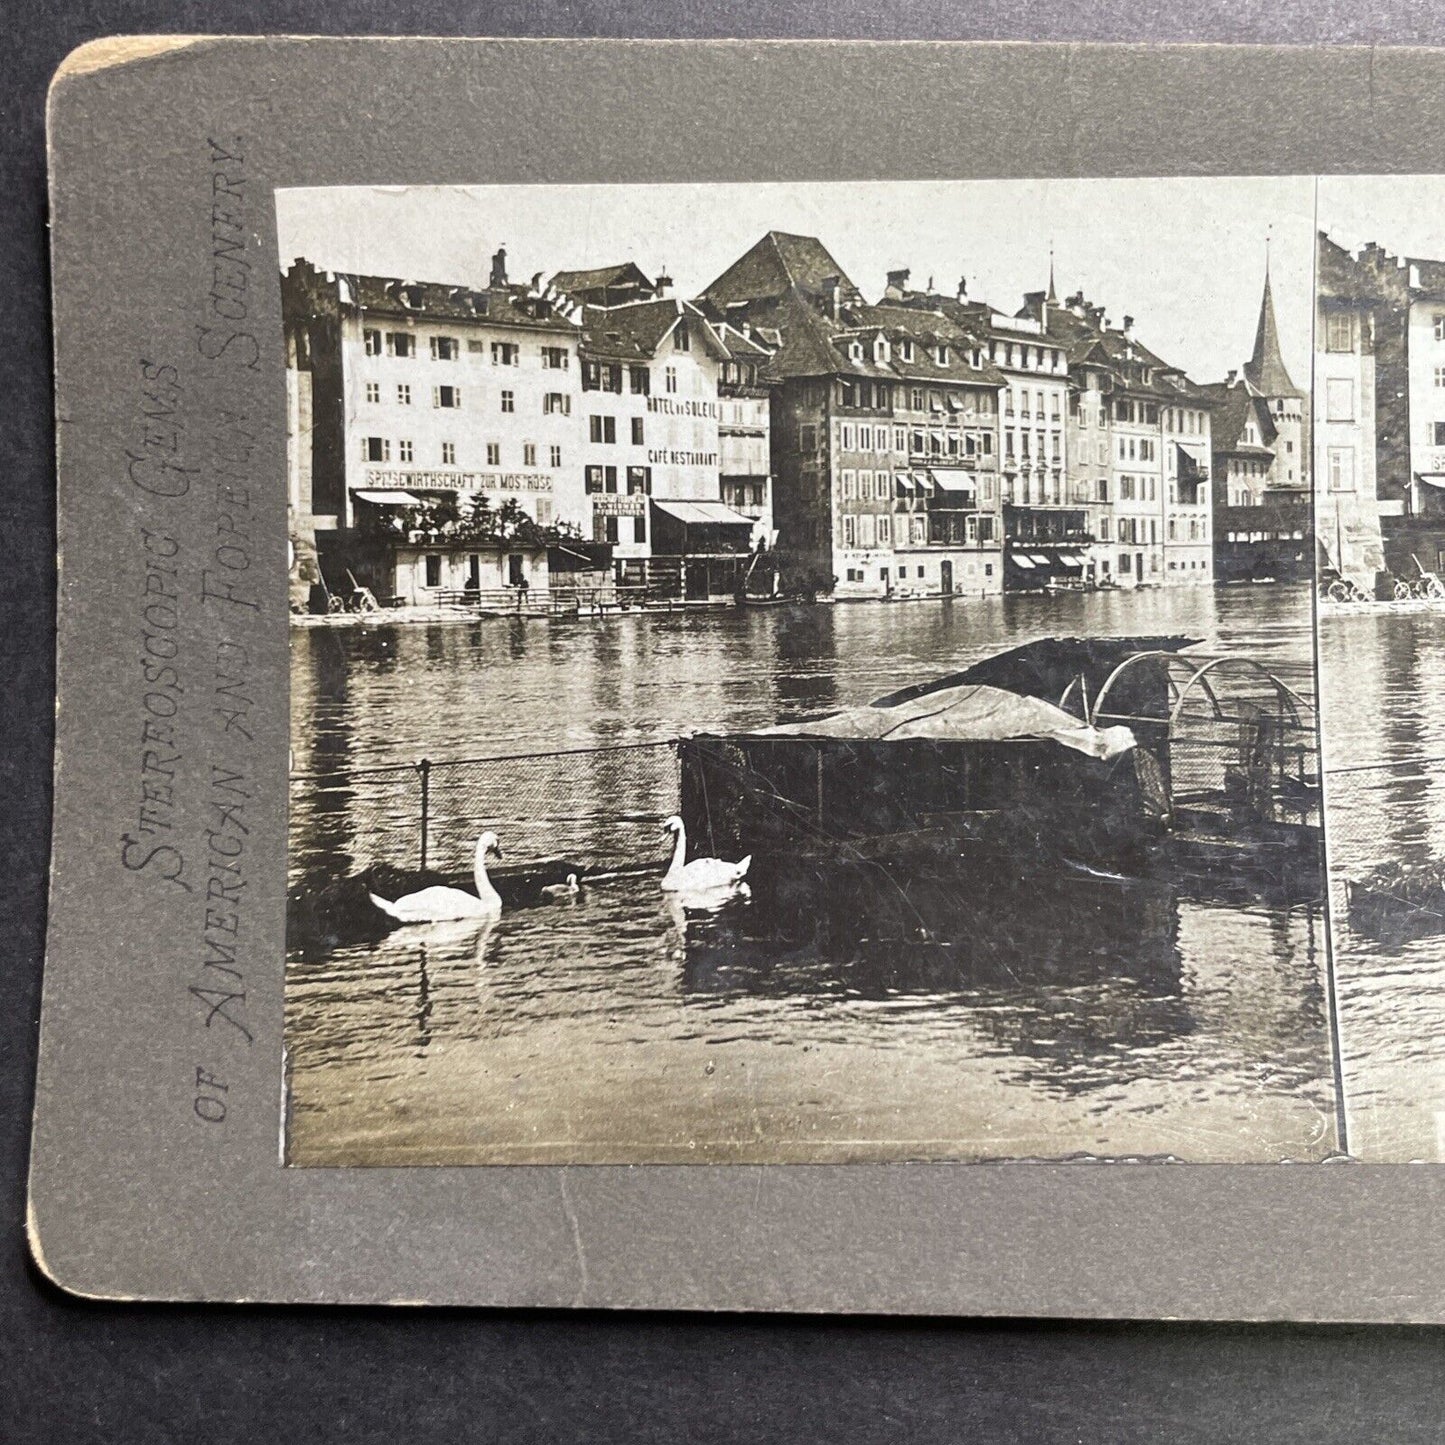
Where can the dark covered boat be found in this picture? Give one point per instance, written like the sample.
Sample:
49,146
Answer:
1099,753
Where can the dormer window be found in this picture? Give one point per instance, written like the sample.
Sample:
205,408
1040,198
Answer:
880,350
855,350
943,356
905,350
681,341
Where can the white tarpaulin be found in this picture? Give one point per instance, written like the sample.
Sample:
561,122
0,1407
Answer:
969,713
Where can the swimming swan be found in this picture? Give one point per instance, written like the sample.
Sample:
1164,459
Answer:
702,875
443,905
562,890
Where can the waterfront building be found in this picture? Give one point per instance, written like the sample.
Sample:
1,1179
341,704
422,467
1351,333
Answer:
1408,296
408,400
653,453
1263,521
1352,308
884,428
1262,528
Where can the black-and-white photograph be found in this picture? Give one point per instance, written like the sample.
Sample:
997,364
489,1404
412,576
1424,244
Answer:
1380,461
813,673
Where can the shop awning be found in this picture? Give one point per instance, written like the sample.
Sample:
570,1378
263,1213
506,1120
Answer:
388,498
923,481
952,481
703,514
953,402
1020,560
1435,479
1072,560
1041,560
904,481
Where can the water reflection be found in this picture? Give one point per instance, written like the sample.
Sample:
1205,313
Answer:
839,1012
1382,693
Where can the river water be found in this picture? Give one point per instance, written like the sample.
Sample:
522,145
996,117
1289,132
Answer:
844,1018
1383,709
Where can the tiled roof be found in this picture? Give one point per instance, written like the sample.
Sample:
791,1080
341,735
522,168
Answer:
1232,405
384,296
627,273
634,332
778,263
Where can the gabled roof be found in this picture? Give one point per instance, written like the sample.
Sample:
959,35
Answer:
635,332
778,263
628,273
1234,404
1265,368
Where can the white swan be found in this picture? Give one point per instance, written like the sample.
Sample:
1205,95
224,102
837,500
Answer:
702,875
443,905
562,890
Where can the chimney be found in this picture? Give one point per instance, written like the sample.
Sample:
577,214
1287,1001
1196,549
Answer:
833,295
1231,378
1128,326
963,288
662,285
897,284
499,268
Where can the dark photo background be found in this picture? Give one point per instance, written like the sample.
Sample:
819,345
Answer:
74,1371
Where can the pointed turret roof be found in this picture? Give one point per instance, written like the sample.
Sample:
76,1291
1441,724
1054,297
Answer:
1265,369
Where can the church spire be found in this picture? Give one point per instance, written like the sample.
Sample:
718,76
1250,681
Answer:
1052,297
1265,370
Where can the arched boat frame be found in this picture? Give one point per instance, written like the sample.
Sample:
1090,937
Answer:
1186,677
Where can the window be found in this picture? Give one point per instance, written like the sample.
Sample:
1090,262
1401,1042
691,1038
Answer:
639,529
373,391
846,437
1339,331
670,379
885,530
602,428
556,403
637,431
446,396
882,486
1439,327
1437,430
444,348
639,379
681,341
594,479
900,439
865,530
404,451
1103,529
372,341
850,531
639,481
400,343
850,485
449,454
494,454
476,348
433,569
506,353
375,449
529,454
1340,396
1342,469
556,456
1126,562
554,358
